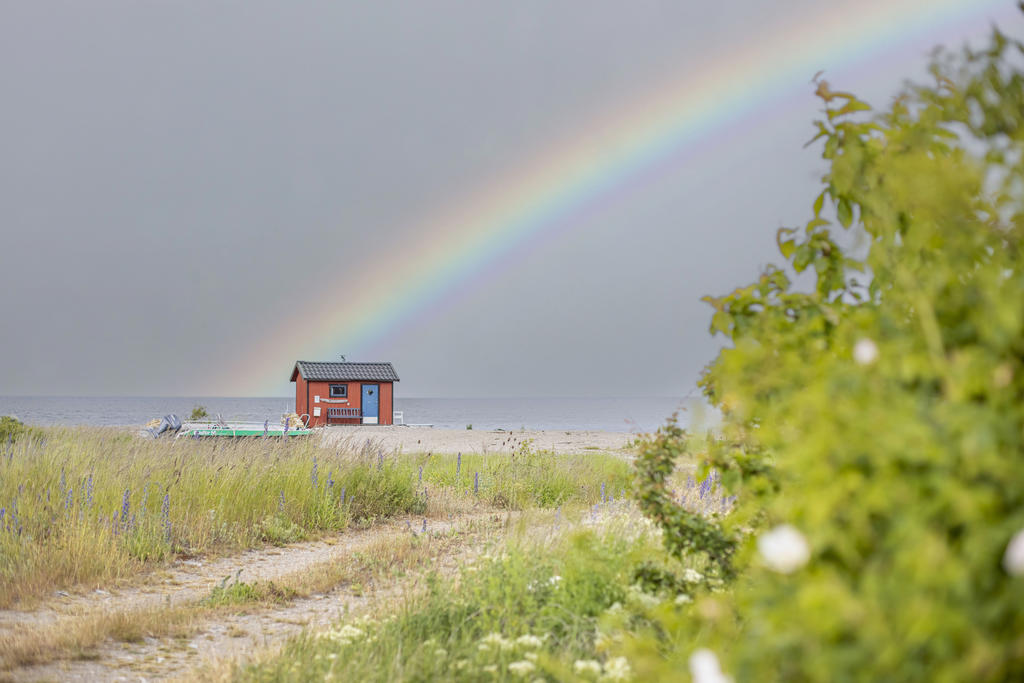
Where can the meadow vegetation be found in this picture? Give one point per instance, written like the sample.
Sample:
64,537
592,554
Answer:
85,507
860,513
528,605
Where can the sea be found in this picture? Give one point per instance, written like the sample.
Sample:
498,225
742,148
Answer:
634,415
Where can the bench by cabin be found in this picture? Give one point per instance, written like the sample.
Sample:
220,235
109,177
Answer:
342,393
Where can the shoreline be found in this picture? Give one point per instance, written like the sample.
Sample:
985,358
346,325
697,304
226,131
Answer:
440,440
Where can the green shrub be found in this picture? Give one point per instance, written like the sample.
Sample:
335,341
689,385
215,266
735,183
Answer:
11,429
882,418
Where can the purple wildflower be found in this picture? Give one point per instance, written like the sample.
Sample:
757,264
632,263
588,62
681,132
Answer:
165,516
313,476
476,482
705,486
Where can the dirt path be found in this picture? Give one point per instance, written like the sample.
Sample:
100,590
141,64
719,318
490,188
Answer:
251,630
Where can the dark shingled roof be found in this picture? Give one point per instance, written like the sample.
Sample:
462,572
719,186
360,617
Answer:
314,371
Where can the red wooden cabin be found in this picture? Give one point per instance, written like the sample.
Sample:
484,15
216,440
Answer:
344,393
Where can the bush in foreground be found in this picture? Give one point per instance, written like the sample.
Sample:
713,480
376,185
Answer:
874,428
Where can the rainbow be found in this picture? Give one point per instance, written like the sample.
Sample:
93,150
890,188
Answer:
472,236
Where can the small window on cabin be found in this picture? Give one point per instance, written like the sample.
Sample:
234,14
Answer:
339,390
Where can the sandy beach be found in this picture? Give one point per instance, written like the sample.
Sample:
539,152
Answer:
429,439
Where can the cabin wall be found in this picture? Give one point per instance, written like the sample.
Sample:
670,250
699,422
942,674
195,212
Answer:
300,396
387,403
353,400
306,403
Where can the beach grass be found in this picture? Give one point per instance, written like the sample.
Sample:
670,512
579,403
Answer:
85,507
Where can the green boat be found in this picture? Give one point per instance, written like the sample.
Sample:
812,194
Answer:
239,429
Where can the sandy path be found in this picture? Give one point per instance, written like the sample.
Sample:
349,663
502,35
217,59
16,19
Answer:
231,637
424,439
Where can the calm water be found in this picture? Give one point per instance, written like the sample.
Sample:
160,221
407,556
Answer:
608,414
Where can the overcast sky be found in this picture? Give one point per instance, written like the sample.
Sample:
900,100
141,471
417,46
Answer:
175,175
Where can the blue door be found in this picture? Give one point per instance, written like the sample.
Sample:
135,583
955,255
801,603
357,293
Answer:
371,401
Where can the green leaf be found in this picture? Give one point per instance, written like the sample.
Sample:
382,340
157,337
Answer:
814,223
852,106
819,202
844,212
720,322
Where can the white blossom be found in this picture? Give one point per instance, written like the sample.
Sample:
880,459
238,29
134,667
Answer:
346,635
645,600
495,639
784,549
704,668
617,669
692,576
683,599
865,352
1013,558
584,667
529,641
521,668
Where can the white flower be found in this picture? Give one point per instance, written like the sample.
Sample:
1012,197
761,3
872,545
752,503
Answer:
584,667
532,656
1013,558
529,641
617,669
865,352
345,635
692,576
440,653
492,639
349,631
644,600
555,580
683,599
704,668
491,669
784,549
521,668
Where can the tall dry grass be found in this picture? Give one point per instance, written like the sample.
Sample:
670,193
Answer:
86,506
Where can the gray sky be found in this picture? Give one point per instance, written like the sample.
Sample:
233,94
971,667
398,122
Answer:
173,175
